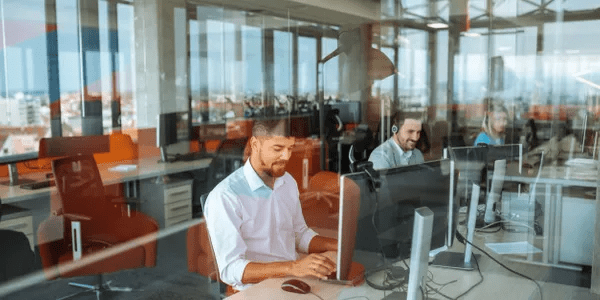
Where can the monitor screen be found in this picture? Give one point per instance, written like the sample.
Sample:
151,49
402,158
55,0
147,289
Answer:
385,218
350,111
172,128
473,163
209,131
510,152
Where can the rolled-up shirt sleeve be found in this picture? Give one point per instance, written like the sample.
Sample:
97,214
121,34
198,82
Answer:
303,234
223,221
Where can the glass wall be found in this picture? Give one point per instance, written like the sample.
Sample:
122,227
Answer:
89,68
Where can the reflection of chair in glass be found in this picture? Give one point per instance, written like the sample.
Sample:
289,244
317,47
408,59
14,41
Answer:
102,223
201,258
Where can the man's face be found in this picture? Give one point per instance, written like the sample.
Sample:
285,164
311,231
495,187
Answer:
409,134
273,154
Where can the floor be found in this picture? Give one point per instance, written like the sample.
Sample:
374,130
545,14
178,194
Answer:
170,279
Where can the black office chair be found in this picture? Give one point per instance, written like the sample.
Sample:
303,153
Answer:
229,156
361,148
16,257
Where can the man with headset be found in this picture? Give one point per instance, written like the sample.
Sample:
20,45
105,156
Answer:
400,149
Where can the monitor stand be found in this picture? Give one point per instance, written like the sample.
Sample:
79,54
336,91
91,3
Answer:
454,260
458,260
13,176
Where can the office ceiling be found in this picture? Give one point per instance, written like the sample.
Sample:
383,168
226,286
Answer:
331,12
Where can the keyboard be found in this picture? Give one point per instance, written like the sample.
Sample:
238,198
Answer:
38,184
190,156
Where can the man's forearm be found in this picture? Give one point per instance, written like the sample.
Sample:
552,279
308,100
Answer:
257,272
316,265
320,244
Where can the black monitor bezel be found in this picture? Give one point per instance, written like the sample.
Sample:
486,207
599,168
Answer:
167,130
452,205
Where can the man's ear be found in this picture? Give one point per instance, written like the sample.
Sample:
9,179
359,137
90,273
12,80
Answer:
254,143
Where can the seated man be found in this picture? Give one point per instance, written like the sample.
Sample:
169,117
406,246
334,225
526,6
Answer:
400,149
255,221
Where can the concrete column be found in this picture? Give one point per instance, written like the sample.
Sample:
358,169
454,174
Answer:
113,46
161,59
268,70
91,74
53,78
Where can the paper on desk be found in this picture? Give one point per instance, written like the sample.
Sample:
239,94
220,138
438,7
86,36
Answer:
123,168
513,247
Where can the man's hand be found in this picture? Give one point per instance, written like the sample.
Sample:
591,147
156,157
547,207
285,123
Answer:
314,264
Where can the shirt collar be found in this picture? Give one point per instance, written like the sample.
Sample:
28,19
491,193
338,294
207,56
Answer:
254,181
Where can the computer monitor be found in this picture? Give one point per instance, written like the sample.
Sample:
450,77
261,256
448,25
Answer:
172,128
350,111
510,152
470,161
209,131
385,215
350,200
486,154
73,145
12,160
17,145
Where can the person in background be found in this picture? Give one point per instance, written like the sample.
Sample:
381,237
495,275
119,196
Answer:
494,125
254,218
400,149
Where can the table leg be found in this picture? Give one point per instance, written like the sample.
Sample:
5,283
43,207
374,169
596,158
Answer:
548,217
557,223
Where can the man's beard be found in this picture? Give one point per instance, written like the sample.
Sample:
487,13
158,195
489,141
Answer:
277,169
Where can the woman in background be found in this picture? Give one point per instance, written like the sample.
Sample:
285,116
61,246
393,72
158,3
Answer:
494,125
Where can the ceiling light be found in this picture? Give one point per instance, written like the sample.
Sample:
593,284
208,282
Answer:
437,25
471,34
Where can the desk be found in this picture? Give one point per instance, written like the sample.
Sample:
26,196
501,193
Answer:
555,178
146,168
497,283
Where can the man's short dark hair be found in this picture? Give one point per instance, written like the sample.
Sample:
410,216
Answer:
401,116
271,127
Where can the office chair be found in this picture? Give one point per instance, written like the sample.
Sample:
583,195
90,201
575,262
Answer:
99,226
16,257
361,147
201,257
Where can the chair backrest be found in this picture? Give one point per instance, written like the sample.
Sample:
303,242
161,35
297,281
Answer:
80,186
214,258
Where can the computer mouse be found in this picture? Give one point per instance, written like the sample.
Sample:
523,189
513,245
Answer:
295,286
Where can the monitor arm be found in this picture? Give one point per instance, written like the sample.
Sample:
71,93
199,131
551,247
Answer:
374,179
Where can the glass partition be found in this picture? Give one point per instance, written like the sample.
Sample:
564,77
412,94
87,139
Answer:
111,67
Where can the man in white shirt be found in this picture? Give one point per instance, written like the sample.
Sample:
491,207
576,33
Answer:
255,220
400,149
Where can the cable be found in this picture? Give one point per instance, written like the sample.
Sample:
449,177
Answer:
467,291
316,295
396,282
501,264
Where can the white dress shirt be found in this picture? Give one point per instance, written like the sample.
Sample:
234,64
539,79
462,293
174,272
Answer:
249,222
